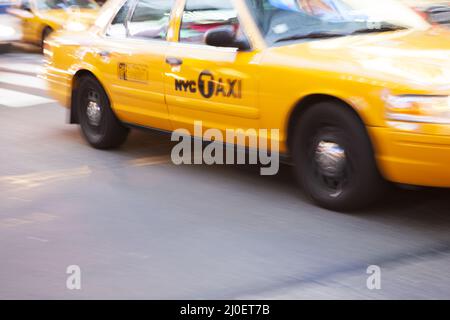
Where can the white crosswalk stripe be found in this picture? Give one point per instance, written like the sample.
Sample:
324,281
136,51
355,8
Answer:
22,67
22,80
16,99
20,77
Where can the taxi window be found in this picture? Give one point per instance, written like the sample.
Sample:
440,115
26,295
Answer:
117,27
24,5
150,19
64,4
202,15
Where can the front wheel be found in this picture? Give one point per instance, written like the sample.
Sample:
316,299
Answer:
334,159
99,125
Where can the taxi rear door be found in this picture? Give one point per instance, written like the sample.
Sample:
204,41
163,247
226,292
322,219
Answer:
134,50
215,85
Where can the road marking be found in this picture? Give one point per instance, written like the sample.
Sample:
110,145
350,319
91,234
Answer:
16,99
149,161
22,80
138,255
28,219
19,199
37,239
22,67
33,180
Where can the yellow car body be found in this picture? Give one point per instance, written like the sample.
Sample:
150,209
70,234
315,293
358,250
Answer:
276,84
35,19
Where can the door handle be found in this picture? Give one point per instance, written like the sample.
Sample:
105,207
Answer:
174,61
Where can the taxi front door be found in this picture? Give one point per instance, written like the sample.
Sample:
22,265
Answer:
214,85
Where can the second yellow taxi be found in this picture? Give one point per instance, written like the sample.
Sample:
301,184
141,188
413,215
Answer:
39,18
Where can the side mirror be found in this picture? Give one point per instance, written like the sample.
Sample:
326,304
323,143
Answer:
224,37
26,7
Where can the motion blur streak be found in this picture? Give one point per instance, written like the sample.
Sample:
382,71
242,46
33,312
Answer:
141,227
37,217
38,179
149,161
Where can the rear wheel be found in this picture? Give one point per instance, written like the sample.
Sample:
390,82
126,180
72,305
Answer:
45,34
99,125
334,160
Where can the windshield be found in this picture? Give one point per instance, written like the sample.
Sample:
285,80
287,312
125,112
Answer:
426,3
65,4
290,20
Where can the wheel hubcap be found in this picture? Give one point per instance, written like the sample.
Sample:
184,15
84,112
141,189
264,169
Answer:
93,110
330,158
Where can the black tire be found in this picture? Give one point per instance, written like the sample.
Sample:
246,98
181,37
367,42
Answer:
98,123
334,159
45,34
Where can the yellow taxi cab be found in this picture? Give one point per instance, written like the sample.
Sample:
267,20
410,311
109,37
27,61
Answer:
39,18
359,89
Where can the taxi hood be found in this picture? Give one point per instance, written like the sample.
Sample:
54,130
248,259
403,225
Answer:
419,59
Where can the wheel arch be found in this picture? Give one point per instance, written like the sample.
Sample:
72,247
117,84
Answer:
308,102
45,28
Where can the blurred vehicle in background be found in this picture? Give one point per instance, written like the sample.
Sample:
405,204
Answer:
434,11
8,28
359,89
39,18
4,4
7,36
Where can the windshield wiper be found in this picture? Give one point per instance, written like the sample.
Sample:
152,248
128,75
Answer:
312,35
382,28
323,35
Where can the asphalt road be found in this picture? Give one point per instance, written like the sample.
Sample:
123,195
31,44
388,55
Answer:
140,227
